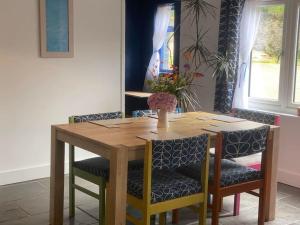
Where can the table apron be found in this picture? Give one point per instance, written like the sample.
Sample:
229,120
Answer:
96,148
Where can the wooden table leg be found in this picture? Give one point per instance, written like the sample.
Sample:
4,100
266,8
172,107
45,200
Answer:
272,193
117,191
57,180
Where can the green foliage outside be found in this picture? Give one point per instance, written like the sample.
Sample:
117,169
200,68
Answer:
270,32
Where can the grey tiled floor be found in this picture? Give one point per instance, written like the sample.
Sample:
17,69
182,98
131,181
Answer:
28,204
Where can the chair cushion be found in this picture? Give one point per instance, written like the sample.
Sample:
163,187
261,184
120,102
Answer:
166,185
99,166
232,172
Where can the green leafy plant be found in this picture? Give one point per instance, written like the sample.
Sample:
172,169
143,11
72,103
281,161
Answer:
181,84
196,10
199,53
221,65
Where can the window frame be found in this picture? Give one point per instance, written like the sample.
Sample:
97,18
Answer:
294,53
161,52
285,103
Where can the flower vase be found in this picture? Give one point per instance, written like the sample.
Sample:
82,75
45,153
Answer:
163,121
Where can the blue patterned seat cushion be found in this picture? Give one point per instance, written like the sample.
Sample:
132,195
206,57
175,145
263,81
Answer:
231,172
166,185
99,166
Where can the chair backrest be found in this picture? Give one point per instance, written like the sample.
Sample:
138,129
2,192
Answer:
172,154
242,143
93,117
257,116
141,113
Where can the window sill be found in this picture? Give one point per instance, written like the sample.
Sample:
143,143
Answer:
273,108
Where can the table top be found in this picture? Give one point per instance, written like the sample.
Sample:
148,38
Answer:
132,132
138,94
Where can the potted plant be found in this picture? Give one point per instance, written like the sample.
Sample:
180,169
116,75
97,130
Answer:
171,90
180,84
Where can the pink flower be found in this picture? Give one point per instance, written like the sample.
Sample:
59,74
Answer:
162,100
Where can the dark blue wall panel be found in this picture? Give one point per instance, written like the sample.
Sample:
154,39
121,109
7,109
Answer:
138,50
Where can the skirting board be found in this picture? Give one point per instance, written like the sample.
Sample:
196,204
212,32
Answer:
26,174
289,178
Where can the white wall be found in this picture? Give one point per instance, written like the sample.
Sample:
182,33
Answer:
289,154
206,85
37,92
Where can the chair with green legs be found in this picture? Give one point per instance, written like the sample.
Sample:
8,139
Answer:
94,170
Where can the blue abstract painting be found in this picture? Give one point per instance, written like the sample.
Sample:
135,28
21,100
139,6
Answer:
57,25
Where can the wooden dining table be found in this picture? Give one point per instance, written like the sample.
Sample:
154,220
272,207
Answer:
123,140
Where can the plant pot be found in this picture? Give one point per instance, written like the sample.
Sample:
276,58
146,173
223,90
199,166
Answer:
163,121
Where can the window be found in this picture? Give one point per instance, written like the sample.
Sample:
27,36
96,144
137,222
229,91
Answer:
266,54
167,51
275,62
297,70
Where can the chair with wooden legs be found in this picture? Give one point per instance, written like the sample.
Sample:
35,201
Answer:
94,170
158,188
259,117
228,178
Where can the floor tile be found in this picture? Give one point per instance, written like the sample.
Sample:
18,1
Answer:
28,204
36,205
11,212
21,191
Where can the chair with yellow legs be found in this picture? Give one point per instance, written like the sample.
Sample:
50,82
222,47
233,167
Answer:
94,170
157,188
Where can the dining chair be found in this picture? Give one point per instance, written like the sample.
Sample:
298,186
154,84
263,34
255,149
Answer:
142,113
94,170
157,188
227,177
259,117
256,116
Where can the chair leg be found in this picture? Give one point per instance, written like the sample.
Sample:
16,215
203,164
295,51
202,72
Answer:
146,219
215,209
203,213
262,207
175,216
162,218
106,197
237,203
102,204
71,183
71,196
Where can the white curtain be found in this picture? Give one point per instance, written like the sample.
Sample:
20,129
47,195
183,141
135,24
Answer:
248,32
162,19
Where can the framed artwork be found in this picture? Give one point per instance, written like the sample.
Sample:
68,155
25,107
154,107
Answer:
56,27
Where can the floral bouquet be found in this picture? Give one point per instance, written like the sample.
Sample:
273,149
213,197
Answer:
178,84
162,101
